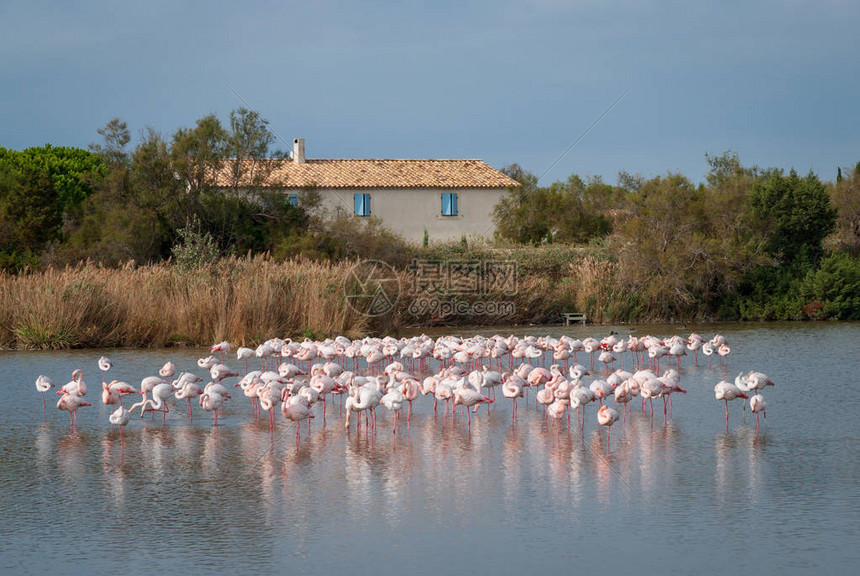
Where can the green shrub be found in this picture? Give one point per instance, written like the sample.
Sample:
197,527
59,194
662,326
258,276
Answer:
836,286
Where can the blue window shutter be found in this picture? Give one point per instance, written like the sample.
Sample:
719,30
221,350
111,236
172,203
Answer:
454,204
361,204
446,204
294,199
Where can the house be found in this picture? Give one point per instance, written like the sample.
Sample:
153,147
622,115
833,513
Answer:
447,198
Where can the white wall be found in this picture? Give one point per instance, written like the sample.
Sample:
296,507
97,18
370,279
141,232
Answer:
410,211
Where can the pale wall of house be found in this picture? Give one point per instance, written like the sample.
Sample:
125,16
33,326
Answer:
410,211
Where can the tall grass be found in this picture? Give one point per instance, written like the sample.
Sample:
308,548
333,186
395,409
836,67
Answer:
243,300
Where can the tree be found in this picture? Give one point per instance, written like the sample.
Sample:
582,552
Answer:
248,149
116,137
41,189
845,196
562,212
197,153
671,253
792,216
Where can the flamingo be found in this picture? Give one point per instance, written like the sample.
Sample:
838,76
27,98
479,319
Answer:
208,362
186,391
579,398
757,404
244,354
269,396
148,383
212,402
469,397
295,409
158,402
694,344
43,384
71,403
607,358
364,398
222,347
122,388
393,401
607,416
105,364
221,371
109,395
678,349
513,388
726,391
723,351
556,409
623,395
708,350
758,380
410,388
119,417
168,370
77,386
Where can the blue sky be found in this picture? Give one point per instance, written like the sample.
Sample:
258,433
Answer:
504,81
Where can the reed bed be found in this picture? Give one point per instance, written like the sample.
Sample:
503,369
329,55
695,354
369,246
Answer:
243,300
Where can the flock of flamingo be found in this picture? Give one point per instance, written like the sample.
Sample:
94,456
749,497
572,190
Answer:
298,375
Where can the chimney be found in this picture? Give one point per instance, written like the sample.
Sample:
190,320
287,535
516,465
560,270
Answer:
299,150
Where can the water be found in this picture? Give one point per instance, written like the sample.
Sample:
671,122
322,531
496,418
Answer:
677,497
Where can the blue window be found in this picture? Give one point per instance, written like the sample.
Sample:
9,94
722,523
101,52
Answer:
294,199
361,204
449,204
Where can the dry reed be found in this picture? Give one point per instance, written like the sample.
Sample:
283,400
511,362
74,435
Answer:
245,301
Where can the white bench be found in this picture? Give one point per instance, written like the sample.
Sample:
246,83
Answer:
578,317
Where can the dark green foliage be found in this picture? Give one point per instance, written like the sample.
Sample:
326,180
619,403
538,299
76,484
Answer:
747,244
791,215
833,290
71,171
39,189
572,211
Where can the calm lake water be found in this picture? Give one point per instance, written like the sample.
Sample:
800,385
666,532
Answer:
674,497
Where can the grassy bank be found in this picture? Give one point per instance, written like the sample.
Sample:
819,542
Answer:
249,300
243,300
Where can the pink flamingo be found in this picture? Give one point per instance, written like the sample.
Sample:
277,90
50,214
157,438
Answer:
120,417
43,384
607,416
105,364
71,403
77,386
295,409
212,402
757,404
513,388
726,391
469,397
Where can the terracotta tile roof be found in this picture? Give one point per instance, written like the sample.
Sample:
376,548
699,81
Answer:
337,173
